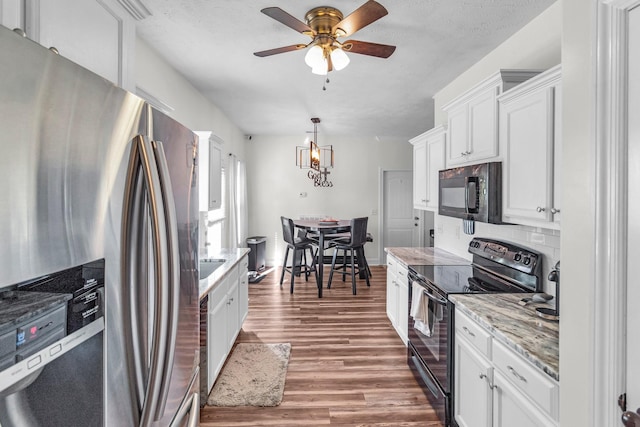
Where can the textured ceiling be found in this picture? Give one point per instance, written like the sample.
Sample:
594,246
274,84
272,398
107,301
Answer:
211,42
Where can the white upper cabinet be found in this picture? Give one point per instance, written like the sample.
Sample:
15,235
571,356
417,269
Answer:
210,162
472,118
419,172
436,146
531,140
97,34
428,160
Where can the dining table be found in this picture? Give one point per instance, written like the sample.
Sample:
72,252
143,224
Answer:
322,229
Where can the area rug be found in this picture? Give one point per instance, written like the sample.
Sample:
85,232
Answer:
254,375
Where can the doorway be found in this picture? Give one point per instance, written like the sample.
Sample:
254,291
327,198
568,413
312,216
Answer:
402,226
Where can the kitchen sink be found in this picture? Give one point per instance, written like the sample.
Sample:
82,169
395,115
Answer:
209,265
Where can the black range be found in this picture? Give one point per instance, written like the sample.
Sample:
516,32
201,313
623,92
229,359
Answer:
497,266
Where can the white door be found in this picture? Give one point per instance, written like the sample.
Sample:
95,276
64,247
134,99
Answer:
400,226
633,254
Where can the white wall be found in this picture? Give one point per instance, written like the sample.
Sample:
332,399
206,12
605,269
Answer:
275,184
579,213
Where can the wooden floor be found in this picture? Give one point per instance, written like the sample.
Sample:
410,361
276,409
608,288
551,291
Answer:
347,367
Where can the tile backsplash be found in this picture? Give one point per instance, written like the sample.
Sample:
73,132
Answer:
449,236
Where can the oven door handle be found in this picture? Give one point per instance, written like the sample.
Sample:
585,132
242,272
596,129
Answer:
433,298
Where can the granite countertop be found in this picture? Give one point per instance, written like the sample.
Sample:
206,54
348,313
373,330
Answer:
519,328
232,257
426,256
19,306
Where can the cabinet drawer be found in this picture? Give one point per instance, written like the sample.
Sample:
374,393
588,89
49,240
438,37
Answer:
218,293
474,333
392,264
244,265
534,383
401,272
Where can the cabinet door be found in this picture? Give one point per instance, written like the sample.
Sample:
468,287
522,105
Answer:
472,393
215,176
99,35
233,315
420,196
458,129
483,122
11,13
243,291
526,125
512,408
435,161
402,301
217,343
557,155
391,290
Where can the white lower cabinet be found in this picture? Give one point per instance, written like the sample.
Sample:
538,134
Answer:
398,297
228,307
472,394
494,386
243,289
511,407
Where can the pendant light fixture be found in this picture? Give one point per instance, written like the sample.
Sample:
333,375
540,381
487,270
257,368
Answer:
317,158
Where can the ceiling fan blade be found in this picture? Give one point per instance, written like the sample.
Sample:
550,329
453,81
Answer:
288,20
368,48
277,50
369,12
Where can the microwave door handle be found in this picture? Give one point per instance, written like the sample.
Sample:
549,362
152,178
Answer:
466,195
471,207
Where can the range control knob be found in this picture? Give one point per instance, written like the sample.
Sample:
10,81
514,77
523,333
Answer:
517,257
526,260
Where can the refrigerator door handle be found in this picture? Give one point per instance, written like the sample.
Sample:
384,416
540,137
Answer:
190,405
159,240
143,169
132,252
173,254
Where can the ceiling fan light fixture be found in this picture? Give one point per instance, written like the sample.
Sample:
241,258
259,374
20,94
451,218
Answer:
321,69
339,59
314,57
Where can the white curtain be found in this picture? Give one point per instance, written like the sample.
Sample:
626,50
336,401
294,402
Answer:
243,213
237,206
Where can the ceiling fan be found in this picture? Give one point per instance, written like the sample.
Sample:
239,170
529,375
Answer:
325,25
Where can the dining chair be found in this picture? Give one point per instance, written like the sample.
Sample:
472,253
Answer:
355,248
299,245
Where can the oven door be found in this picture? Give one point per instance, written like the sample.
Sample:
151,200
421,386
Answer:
429,329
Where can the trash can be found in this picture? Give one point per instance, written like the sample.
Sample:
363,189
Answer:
257,244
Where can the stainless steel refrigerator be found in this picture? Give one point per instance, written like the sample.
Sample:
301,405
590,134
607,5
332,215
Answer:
91,172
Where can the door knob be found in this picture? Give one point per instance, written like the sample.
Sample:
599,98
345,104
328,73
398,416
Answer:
631,419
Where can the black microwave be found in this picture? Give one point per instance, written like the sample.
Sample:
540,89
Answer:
472,192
